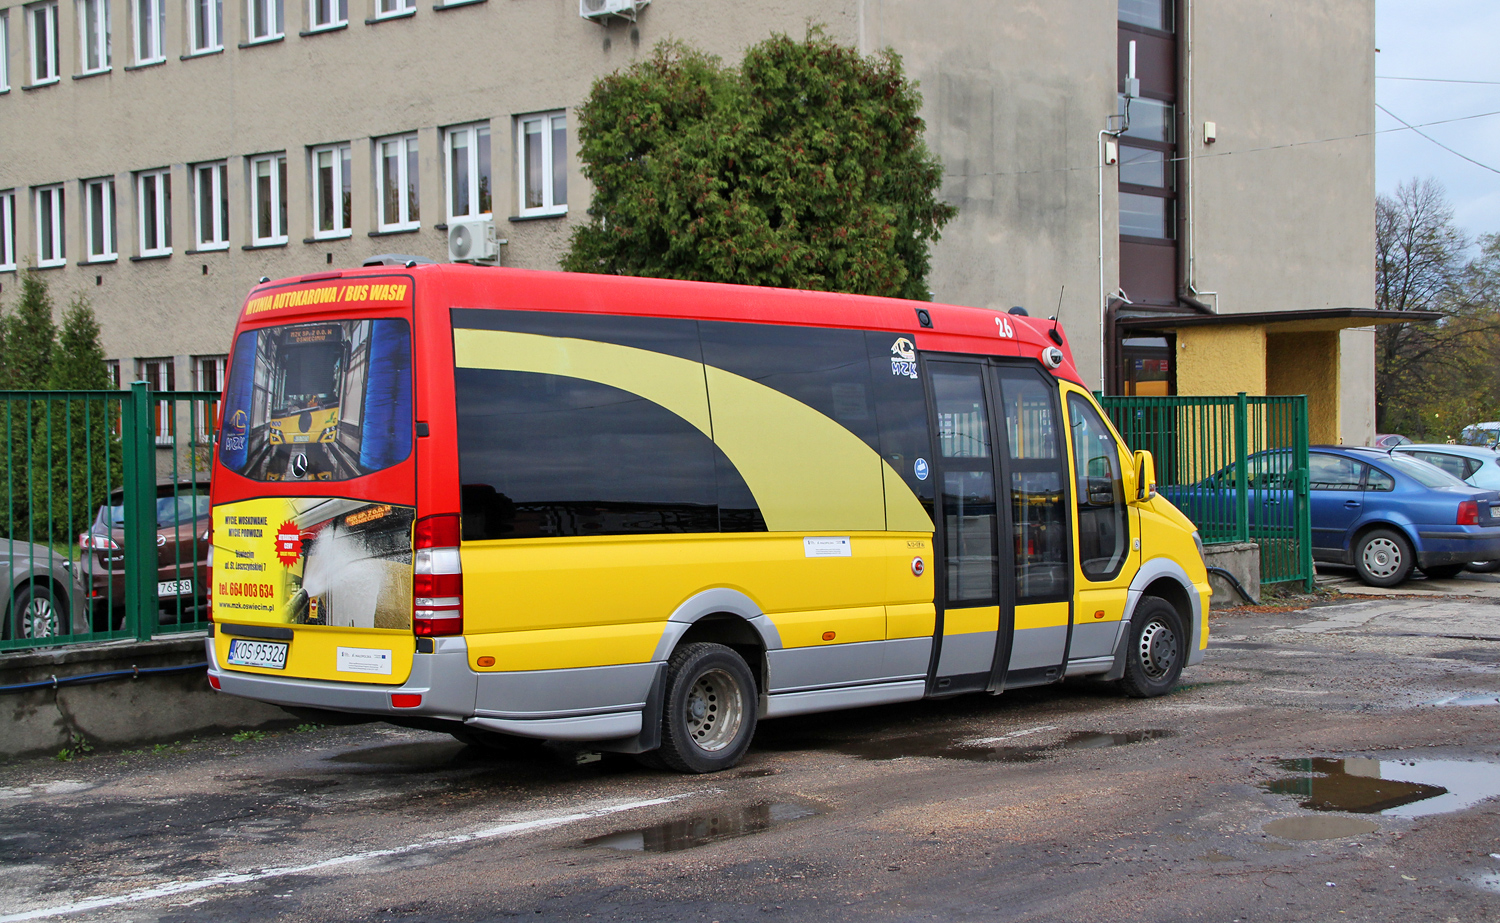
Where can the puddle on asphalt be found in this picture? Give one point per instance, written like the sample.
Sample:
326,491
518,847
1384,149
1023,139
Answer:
413,754
1485,699
1393,788
702,829
1326,827
944,746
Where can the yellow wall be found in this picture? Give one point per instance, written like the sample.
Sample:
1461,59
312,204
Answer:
1221,360
1308,363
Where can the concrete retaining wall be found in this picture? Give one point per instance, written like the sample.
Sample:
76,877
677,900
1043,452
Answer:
118,712
1239,558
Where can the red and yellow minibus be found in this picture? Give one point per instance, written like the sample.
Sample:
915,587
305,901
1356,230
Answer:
642,515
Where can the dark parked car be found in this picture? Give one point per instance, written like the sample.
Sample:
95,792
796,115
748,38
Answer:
182,522
1384,513
45,599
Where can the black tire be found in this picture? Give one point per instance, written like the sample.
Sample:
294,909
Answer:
1383,557
1158,649
708,717
37,612
1483,567
1443,571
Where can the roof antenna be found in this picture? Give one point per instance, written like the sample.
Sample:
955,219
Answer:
1053,334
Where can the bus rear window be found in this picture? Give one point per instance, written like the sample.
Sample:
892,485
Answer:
325,401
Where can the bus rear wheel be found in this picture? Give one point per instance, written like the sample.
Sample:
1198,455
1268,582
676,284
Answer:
1158,647
708,717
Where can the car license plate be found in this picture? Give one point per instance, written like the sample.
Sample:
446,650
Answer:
300,438
174,587
268,654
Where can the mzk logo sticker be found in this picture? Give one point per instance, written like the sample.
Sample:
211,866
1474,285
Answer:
903,358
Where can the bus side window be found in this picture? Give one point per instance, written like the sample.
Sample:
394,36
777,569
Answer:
1103,526
1037,470
967,470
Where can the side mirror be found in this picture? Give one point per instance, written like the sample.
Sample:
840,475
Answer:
1145,476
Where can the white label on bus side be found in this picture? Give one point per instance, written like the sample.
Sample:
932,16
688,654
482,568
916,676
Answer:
363,660
827,547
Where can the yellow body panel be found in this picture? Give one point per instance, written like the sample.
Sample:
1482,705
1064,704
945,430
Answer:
1167,533
313,653
1098,605
917,620
563,648
1041,615
969,621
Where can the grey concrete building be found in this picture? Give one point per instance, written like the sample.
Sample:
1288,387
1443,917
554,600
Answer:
160,156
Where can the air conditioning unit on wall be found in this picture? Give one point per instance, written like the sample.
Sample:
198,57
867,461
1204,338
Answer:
473,241
600,10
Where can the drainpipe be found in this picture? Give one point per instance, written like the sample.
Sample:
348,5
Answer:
1113,135
1189,293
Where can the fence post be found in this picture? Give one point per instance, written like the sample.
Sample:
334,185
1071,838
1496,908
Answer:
1304,497
1241,468
139,450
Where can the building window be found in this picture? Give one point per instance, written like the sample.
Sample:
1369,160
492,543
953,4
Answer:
153,190
396,179
7,230
4,51
268,200
1148,186
112,369
150,31
325,14
264,20
385,8
1153,14
207,25
99,218
160,375
211,205
208,374
93,36
43,22
543,158
49,226
331,191
467,171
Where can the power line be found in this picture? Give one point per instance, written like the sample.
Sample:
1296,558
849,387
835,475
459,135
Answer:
1490,83
1405,126
1434,140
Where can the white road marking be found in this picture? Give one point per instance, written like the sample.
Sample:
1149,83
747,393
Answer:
234,878
985,741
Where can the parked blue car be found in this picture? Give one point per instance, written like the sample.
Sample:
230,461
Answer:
1384,513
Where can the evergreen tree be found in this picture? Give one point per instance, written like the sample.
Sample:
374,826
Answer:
30,335
803,168
79,364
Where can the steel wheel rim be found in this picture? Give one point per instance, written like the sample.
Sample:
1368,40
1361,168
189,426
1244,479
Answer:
1158,648
1381,557
714,710
39,619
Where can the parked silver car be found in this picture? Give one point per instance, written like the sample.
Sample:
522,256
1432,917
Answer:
46,599
1477,464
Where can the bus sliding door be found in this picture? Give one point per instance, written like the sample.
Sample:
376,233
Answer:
1002,555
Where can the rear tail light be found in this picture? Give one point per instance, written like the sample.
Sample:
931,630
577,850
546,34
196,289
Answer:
92,541
213,681
437,578
1468,513
405,700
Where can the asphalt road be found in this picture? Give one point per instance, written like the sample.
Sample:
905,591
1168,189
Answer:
1066,803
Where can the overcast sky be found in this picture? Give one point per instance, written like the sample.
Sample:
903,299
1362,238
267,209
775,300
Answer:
1449,40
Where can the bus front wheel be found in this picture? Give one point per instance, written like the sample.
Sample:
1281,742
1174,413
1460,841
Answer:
1158,647
708,717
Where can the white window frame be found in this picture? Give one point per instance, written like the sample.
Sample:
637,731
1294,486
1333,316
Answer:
276,199
154,187
410,185
150,31
93,56
56,240
101,225
45,68
208,375
217,201
547,122
165,372
468,136
206,17
272,13
4,51
338,157
390,9
337,14
8,230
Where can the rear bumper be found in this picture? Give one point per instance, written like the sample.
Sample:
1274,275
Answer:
1458,545
443,679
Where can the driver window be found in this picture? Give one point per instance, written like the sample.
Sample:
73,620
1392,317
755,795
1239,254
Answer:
1103,527
1333,472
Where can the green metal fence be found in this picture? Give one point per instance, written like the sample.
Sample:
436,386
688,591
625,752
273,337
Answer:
1237,466
105,527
